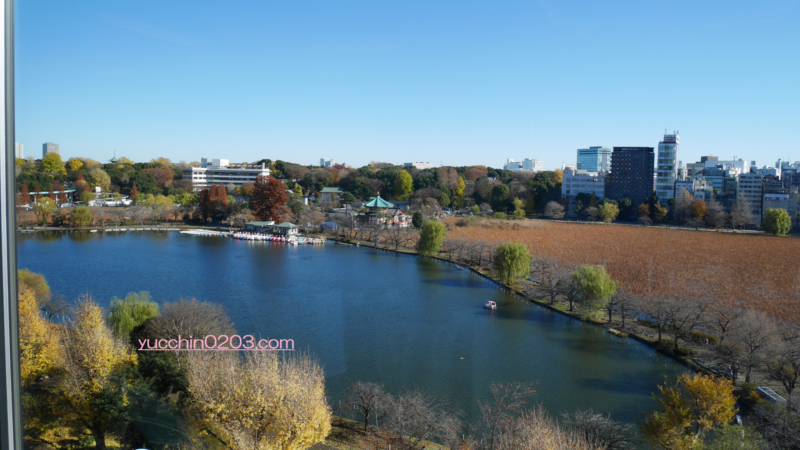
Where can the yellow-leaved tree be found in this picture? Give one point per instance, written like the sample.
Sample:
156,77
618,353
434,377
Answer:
38,345
689,410
261,401
95,382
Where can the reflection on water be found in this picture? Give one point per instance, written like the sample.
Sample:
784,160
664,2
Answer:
399,320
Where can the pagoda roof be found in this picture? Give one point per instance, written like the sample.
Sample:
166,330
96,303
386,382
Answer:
377,202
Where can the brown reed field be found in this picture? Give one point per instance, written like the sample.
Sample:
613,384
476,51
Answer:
756,271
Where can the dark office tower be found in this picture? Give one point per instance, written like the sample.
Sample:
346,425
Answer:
631,174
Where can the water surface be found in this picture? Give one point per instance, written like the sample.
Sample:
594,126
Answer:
399,320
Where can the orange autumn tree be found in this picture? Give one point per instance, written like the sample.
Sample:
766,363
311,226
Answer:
134,191
80,185
24,195
269,194
699,209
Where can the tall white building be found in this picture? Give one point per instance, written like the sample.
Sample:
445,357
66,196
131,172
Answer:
19,151
528,164
221,171
326,162
667,171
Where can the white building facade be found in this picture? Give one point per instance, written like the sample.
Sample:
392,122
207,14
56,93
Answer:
221,171
667,172
574,182
19,151
527,164
420,165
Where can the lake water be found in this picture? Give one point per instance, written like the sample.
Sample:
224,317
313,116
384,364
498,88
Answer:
399,320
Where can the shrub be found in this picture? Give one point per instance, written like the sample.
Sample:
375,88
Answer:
685,351
499,215
467,221
750,388
700,338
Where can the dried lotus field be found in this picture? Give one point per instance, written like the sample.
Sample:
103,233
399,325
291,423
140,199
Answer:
760,271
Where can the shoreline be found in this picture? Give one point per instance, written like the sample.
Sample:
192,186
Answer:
512,291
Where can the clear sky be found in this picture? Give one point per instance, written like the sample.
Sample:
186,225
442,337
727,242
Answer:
460,82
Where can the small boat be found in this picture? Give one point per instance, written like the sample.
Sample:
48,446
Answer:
459,267
93,231
490,305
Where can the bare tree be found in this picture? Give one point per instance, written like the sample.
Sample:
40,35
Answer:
683,206
751,337
138,214
785,365
363,397
509,401
683,314
550,273
655,310
722,315
569,288
601,432
592,213
414,416
780,426
741,213
554,210
715,216
399,236
626,303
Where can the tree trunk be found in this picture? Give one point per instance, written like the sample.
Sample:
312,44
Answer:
99,438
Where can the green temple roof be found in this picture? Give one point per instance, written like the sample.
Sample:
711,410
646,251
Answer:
377,202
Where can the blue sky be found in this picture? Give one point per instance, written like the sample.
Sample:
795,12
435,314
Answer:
461,82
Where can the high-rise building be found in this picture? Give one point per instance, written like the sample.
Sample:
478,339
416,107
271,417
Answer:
326,162
667,172
49,147
632,174
19,151
594,159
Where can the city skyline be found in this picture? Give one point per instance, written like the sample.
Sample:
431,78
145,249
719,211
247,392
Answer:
452,82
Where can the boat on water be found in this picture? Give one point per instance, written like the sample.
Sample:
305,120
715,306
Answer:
459,267
490,305
93,231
